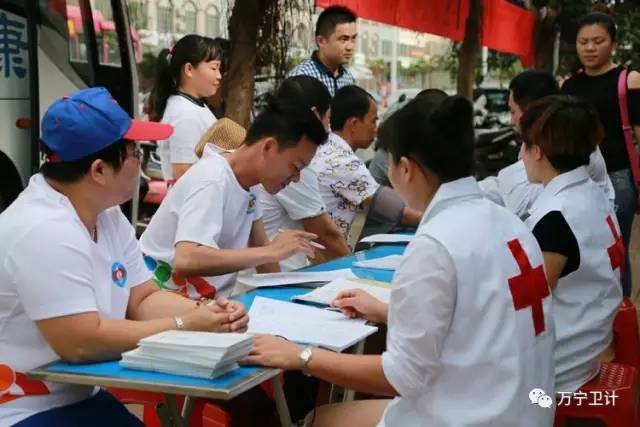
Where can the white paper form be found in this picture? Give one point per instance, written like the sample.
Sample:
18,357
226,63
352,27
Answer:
294,278
305,324
388,238
391,262
327,293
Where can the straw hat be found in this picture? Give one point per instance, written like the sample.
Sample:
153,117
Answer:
225,134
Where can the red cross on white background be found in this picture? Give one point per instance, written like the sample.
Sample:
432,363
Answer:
616,251
530,287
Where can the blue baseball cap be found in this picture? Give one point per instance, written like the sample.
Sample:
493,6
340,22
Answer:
90,120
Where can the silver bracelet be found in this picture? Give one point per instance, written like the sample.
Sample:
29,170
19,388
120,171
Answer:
179,322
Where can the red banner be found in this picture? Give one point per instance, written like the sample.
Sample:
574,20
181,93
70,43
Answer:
445,18
505,26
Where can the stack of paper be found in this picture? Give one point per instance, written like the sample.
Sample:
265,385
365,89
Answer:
195,354
308,278
306,325
327,293
391,262
388,238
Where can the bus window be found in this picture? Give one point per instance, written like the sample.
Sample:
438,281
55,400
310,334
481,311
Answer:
77,35
106,36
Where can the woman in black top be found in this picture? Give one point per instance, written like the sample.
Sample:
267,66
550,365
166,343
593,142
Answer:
597,82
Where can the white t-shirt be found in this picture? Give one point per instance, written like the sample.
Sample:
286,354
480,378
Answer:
343,180
50,267
190,121
470,332
512,189
207,206
286,210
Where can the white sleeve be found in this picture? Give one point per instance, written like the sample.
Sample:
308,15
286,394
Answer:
137,271
201,215
597,170
423,299
516,190
52,271
182,143
491,190
302,199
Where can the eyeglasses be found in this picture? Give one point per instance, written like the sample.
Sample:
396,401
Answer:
137,153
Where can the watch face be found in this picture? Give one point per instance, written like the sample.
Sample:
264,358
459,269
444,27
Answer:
306,354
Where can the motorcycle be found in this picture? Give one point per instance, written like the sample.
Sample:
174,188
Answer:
497,145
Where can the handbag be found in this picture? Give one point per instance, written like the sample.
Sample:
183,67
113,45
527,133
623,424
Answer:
627,129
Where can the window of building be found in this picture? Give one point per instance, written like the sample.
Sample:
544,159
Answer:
138,14
190,18
165,18
212,22
375,45
387,48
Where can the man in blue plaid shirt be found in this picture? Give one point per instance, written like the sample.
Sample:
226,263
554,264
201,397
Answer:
336,34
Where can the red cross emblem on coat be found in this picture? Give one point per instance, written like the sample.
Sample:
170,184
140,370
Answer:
616,251
530,287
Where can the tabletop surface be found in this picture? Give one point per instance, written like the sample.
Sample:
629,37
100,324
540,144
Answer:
111,374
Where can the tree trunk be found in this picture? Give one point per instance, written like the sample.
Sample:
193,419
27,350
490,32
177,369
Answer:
545,37
468,52
243,34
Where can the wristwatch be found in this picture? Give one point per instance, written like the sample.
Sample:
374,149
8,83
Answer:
305,357
179,322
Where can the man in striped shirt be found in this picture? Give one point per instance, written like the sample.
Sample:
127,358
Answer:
336,34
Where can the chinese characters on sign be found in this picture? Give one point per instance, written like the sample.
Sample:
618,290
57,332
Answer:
11,47
592,398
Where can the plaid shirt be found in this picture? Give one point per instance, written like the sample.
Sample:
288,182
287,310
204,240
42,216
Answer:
314,68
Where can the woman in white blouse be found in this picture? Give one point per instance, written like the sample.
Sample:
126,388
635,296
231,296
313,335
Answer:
469,304
186,74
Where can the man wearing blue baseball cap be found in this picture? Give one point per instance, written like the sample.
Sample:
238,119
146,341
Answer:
73,283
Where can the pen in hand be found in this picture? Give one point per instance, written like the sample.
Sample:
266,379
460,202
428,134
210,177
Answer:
311,242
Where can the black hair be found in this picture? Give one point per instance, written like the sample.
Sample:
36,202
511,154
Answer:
225,52
307,90
432,93
287,122
599,18
349,101
192,49
531,85
437,136
332,17
72,171
566,128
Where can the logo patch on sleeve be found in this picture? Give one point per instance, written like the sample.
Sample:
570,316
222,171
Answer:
118,274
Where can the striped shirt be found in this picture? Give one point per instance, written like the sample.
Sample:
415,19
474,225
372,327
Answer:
314,68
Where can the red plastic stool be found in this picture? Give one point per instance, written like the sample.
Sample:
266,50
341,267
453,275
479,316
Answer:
613,378
626,338
150,400
214,416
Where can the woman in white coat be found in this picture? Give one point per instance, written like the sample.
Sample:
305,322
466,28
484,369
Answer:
577,231
469,304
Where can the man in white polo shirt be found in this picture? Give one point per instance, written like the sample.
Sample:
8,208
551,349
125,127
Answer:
209,226
73,284
299,205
